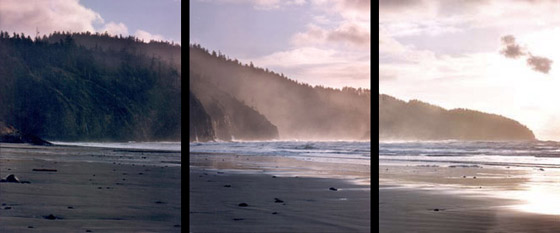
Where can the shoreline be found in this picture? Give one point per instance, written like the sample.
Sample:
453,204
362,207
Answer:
219,183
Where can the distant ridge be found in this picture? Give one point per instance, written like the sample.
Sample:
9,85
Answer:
417,120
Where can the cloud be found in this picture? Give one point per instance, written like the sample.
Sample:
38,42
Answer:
317,66
46,16
352,29
512,49
262,4
113,28
147,37
348,33
540,64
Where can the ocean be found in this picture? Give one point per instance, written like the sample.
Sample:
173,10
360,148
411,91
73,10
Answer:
347,152
545,154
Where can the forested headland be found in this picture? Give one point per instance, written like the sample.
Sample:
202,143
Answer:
90,87
417,120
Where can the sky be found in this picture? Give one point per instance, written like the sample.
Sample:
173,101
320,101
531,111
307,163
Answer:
501,57
145,19
319,42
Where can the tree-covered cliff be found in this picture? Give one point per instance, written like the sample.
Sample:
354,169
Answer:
416,120
64,90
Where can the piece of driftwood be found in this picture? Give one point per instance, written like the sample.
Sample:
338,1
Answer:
44,170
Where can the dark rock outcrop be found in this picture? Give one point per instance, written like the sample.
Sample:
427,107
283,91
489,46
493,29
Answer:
416,120
9,134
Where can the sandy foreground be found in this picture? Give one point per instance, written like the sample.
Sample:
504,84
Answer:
451,199
282,195
116,195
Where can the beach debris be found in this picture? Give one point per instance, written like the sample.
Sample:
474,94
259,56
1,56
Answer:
70,207
474,177
333,189
44,170
243,204
51,217
464,176
227,186
274,212
29,226
160,202
541,169
437,209
220,172
276,200
273,176
465,166
11,179
8,208
238,219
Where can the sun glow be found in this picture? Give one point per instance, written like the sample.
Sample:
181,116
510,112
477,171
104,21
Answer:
541,198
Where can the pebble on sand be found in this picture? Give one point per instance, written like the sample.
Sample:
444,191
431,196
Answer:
51,217
243,204
333,189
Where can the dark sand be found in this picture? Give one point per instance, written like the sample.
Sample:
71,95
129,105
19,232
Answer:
95,196
308,204
408,197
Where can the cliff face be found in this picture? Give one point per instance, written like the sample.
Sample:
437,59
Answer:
416,120
231,119
200,124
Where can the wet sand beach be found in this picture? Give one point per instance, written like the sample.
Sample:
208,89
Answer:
467,199
81,189
281,195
